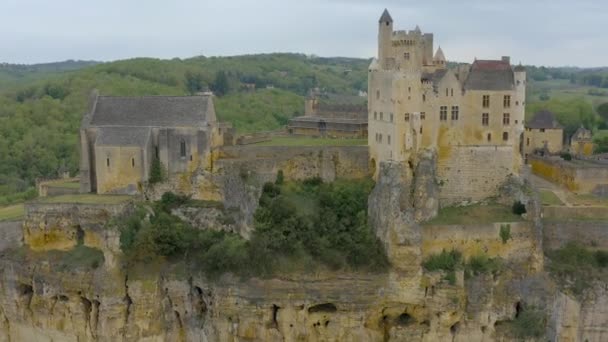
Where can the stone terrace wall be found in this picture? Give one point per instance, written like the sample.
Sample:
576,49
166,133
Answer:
563,213
473,240
472,173
327,162
557,234
11,234
576,176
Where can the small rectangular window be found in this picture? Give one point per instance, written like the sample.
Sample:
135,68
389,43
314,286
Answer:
108,162
446,91
132,162
485,119
452,92
443,113
422,116
381,115
542,130
505,136
406,56
507,101
486,101
420,129
375,115
506,119
528,142
391,117
388,140
406,117
455,113
182,149
489,137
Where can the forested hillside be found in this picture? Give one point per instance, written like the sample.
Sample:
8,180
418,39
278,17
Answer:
41,106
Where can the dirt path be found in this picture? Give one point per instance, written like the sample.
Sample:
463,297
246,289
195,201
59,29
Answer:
543,184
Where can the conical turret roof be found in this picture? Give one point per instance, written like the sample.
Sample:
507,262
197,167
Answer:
439,55
386,17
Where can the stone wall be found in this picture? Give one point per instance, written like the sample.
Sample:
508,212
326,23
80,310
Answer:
11,234
327,162
563,213
593,234
578,176
472,173
476,239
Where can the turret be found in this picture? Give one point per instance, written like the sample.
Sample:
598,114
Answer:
439,59
385,31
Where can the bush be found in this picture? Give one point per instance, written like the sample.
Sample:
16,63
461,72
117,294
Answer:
447,261
156,171
481,264
566,156
519,208
280,178
505,232
575,267
530,323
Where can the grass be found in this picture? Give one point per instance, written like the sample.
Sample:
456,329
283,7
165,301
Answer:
86,199
12,212
446,261
548,197
311,141
474,214
587,200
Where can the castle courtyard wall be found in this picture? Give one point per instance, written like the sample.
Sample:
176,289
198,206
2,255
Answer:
11,234
591,234
578,176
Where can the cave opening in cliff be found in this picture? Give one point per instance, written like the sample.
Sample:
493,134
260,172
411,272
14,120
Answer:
454,328
405,319
325,307
25,290
79,235
518,309
275,313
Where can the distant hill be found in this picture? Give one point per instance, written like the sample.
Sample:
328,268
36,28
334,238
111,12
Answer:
13,74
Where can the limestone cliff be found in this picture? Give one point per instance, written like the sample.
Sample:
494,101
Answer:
48,296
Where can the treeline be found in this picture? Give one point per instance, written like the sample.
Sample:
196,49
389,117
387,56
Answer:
594,77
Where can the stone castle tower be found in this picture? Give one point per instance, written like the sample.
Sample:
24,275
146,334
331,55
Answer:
472,116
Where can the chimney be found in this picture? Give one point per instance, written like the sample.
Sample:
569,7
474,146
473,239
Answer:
506,59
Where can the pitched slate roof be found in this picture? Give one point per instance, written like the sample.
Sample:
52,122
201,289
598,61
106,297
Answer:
544,119
582,134
386,17
490,75
150,111
123,136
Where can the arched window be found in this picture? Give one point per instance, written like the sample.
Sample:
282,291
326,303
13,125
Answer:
182,148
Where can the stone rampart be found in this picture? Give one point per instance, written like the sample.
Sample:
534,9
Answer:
563,213
472,173
476,239
327,162
593,234
580,176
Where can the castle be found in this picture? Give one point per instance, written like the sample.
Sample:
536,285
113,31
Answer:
471,115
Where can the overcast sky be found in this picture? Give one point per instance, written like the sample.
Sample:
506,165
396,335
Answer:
539,32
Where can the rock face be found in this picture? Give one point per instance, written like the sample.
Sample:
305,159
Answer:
42,301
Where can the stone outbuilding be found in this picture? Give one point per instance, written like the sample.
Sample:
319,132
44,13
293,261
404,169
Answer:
543,134
581,142
328,115
120,137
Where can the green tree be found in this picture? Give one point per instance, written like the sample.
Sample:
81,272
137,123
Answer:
602,110
156,171
221,86
194,82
